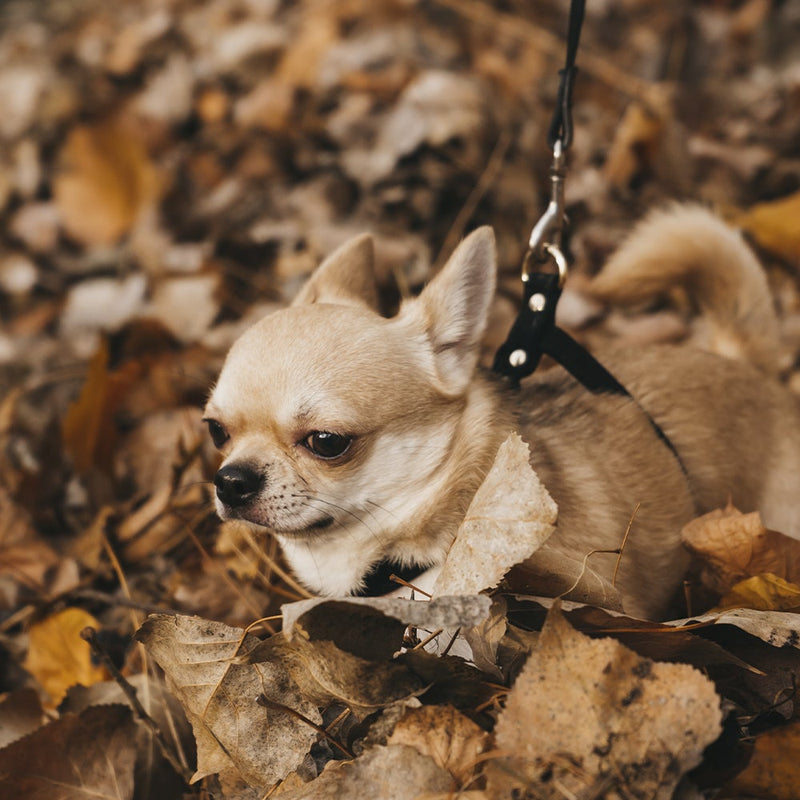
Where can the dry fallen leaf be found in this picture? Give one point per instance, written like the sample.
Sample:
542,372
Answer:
105,182
89,429
440,612
21,713
642,724
732,546
773,772
777,628
509,518
325,674
763,592
395,772
90,755
452,740
774,226
643,137
57,655
202,661
550,572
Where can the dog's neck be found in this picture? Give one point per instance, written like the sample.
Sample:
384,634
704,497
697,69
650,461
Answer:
422,529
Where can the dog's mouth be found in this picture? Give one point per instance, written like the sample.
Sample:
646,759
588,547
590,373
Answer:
320,524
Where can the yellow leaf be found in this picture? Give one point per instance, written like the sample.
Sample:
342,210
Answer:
58,658
764,593
773,772
774,225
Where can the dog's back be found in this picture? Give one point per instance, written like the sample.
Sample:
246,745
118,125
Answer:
735,430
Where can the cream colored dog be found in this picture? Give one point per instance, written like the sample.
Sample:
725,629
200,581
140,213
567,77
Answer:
358,439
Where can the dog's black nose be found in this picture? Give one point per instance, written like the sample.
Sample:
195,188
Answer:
236,484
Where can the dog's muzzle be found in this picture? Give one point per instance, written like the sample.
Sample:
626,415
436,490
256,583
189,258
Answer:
237,485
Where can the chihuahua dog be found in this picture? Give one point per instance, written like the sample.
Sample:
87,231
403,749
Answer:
358,439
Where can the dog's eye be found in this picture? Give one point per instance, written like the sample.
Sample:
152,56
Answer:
327,445
218,434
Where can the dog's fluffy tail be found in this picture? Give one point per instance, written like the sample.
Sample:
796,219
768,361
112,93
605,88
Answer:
688,247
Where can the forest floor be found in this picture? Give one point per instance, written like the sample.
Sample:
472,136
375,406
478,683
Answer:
170,172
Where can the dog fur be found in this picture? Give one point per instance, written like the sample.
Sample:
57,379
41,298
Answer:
420,423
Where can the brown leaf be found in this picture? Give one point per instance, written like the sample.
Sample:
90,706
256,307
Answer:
21,713
551,572
640,136
77,757
397,772
733,546
452,740
57,655
773,772
774,226
324,674
642,724
105,182
89,430
204,665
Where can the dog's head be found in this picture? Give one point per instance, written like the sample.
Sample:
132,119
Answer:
333,418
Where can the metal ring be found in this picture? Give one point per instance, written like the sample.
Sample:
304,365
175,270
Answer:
558,257
561,262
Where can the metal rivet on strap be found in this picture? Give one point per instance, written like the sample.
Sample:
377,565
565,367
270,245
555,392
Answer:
537,302
517,358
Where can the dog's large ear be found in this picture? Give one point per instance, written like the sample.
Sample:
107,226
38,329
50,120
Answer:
453,309
346,277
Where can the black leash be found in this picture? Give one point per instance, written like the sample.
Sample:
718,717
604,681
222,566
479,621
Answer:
534,332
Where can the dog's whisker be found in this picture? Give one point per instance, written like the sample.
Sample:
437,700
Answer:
330,504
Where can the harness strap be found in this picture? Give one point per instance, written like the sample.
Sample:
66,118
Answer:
378,580
535,333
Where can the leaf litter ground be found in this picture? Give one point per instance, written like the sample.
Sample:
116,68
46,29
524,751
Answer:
170,172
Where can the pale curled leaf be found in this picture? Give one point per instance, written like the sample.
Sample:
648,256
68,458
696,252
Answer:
395,772
441,612
201,660
777,628
452,740
733,546
643,724
509,518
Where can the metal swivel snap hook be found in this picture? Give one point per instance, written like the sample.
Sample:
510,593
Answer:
550,227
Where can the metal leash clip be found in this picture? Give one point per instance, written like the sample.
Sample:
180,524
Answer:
547,234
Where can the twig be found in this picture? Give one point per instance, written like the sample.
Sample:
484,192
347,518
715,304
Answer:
428,639
397,579
264,701
687,596
479,190
89,635
451,642
263,621
624,541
